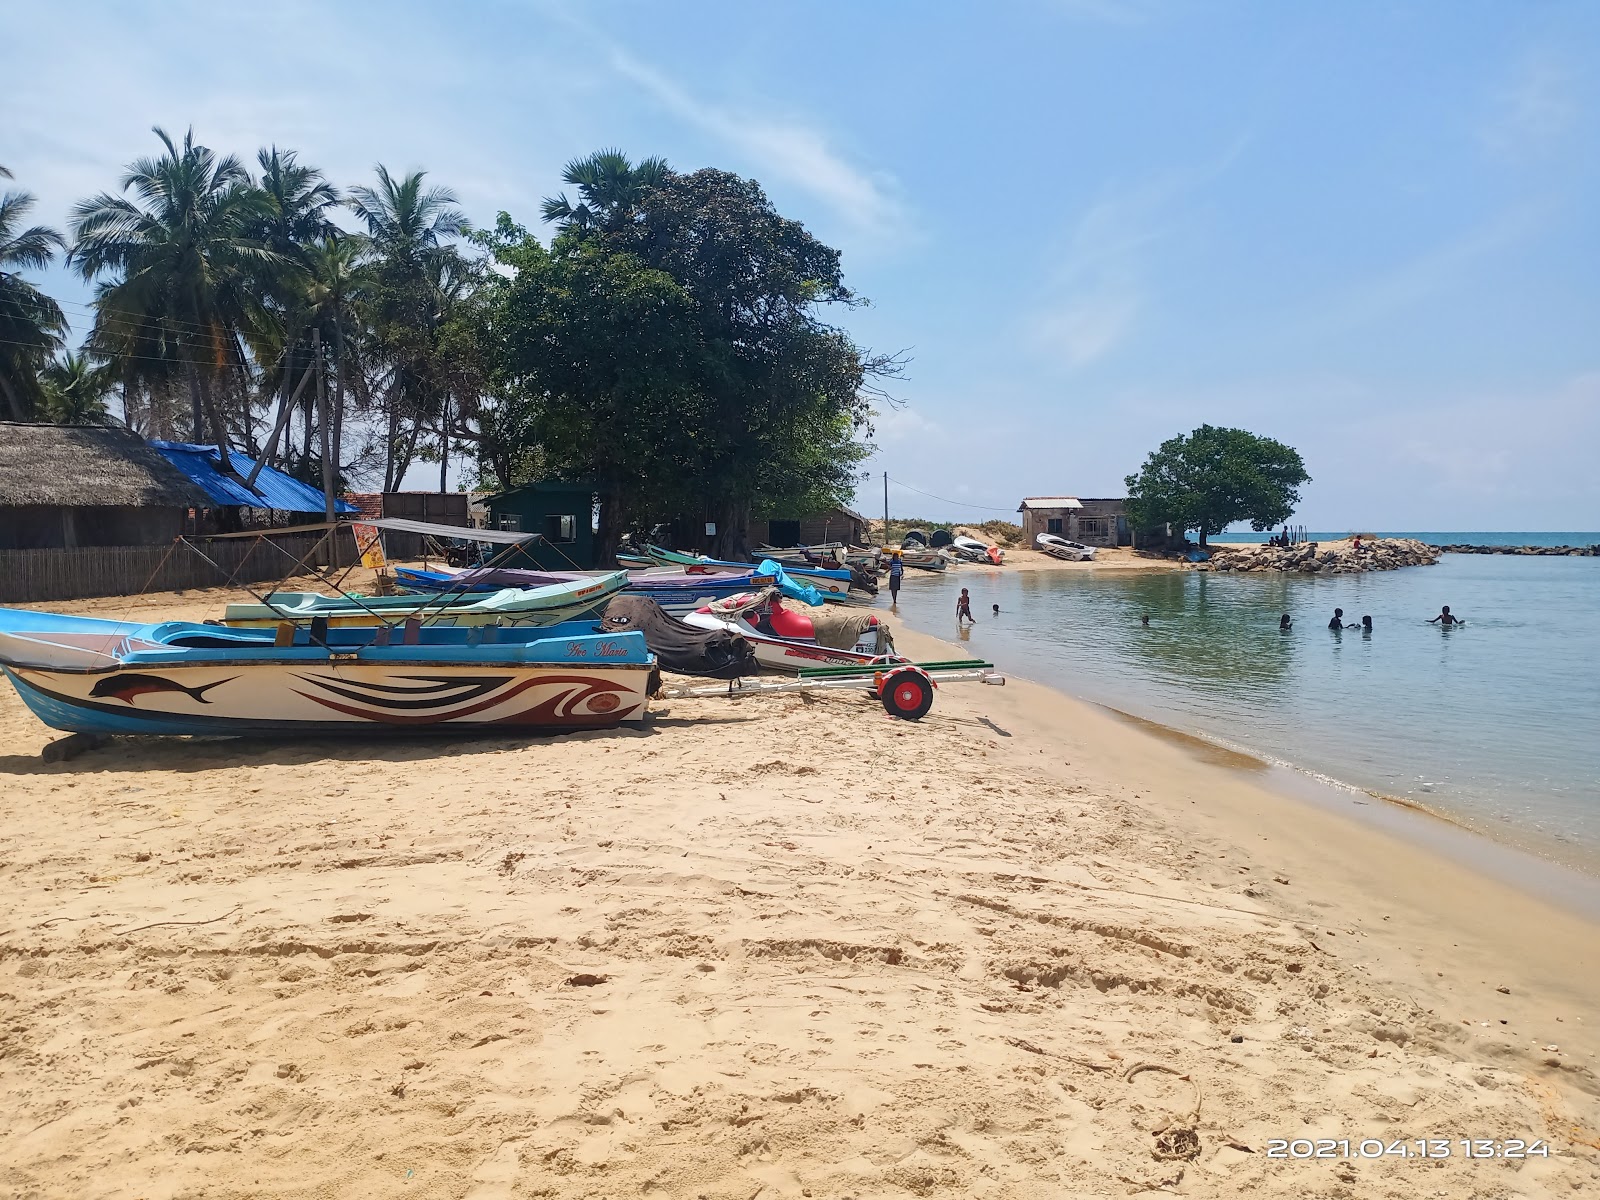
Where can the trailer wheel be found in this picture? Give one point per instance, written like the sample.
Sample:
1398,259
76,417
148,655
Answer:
907,694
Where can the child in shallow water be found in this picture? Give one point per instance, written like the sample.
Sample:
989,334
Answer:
964,608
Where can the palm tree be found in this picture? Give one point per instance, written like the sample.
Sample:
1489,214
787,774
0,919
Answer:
186,274
294,220
32,326
75,390
610,190
408,228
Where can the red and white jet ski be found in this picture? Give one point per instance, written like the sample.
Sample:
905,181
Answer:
786,640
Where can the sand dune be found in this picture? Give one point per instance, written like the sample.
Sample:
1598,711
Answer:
774,948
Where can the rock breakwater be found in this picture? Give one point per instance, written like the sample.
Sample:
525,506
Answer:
1311,558
1568,551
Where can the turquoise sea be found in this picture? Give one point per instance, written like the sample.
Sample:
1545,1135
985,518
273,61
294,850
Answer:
1495,725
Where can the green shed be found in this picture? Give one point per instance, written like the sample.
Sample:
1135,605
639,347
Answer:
562,512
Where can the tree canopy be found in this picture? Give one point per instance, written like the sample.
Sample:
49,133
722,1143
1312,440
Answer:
1213,477
669,346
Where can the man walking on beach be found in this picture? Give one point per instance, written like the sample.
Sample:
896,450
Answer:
897,570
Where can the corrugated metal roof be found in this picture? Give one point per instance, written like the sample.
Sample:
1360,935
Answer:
1050,502
273,489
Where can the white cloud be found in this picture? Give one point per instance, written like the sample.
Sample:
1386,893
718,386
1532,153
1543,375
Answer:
1533,110
1099,285
793,152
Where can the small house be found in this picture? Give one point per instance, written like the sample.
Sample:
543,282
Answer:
69,486
832,525
1093,521
563,513
437,508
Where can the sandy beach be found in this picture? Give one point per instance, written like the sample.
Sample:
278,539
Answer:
783,947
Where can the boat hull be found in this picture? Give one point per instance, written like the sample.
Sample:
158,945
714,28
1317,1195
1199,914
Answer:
784,654
228,699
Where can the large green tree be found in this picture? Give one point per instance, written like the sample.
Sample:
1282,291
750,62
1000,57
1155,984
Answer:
784,397
1213,477
32,326
602,379
186,275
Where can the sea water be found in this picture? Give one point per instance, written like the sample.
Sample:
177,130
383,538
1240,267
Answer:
1495,724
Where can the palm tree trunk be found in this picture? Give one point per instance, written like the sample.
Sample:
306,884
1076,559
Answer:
444,440
218,426
197,426
338,391
389,482
13,401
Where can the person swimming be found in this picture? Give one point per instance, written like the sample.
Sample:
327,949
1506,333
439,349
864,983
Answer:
1366,624
1145,620
1446,617
1286,622
1338,619
997,610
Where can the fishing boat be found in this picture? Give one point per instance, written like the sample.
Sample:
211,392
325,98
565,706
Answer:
547,605
785,640
1059,547
923,560
835,585
93,676
972,550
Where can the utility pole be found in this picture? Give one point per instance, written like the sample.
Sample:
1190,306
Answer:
886,508
322,428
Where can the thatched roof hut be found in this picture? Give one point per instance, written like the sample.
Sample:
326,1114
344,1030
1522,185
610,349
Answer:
87,465
87,485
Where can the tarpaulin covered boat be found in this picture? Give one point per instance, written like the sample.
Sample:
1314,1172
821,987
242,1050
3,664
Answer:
791,641
106,677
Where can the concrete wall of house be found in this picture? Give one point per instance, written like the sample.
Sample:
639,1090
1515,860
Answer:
1046,520
48,526
564,517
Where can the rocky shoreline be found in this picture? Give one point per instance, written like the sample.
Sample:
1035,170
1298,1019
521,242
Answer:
1310,558
1559,551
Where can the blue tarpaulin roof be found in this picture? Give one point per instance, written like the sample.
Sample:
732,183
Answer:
273,489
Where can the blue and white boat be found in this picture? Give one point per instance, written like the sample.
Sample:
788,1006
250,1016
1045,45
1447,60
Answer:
87,675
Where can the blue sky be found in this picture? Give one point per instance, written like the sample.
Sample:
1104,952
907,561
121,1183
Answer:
1369,229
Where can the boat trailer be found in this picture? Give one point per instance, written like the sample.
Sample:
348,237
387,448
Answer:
905,689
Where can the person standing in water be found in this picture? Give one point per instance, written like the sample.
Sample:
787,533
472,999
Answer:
897,571
1285,623
964,607
1338,619
1445,617
1366,625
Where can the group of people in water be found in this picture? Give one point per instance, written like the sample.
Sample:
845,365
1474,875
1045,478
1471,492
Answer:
1337,621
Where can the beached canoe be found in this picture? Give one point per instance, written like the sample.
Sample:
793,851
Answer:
546,605
107,677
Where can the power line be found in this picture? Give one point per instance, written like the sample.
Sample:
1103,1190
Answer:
957,503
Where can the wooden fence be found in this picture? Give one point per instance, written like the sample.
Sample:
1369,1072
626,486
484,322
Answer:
28,576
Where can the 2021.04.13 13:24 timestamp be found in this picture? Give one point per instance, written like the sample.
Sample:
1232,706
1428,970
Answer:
1306,1148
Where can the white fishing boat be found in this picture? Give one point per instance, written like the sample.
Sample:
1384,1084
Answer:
1059,547
547,605
972,550
86,675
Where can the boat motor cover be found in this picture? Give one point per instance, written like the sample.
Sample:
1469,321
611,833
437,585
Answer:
940,539
718,653
788,586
